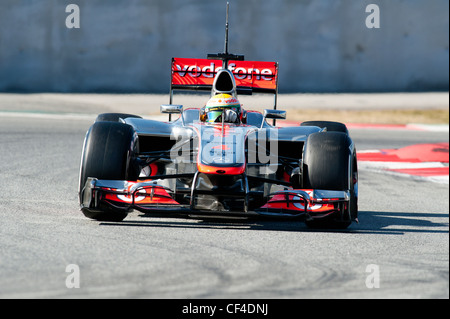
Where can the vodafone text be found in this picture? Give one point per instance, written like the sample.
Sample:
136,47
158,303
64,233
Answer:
209,71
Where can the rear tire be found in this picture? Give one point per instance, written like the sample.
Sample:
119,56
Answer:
329,163
108,152
331,126
114,117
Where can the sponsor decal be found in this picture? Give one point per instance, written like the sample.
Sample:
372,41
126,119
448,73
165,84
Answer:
255,74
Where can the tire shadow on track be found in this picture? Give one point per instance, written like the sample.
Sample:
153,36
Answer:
399,223
371,222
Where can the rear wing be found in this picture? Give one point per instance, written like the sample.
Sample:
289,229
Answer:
250,76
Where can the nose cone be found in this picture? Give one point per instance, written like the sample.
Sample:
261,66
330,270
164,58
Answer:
221,150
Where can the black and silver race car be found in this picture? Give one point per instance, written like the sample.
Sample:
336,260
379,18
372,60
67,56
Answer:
193,166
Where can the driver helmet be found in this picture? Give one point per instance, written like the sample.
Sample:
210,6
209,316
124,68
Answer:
218,105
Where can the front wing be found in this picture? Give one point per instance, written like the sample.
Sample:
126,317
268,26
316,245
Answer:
149,197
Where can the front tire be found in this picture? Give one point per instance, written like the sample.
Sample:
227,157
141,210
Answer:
329,163
108,154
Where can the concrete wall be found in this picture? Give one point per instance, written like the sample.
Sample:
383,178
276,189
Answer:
321,45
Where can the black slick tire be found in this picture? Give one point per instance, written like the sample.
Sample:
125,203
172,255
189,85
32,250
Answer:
108,152
331,126
329,163
114,117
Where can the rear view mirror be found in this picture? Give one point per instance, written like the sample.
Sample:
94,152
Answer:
171,109
275,114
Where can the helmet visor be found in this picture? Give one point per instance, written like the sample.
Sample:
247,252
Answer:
214,116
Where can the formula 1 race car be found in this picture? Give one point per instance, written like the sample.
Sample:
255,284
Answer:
203,163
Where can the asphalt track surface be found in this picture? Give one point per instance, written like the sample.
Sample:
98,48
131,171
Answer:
402,234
